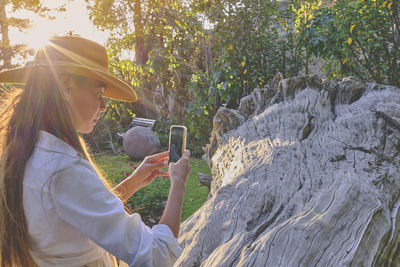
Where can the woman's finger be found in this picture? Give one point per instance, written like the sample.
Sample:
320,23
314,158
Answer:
158,157
151,162
189,168
186,155
160,173
163,174
160,165
161,159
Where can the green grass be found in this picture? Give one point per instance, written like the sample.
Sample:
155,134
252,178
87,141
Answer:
196,193
148,201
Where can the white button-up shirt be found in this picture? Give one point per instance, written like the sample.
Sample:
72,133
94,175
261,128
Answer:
73,219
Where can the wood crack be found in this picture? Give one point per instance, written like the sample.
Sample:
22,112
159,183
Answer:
393,122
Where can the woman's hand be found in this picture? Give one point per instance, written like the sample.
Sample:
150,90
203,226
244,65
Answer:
150,168
180,170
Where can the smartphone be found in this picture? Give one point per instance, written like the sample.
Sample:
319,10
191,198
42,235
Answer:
177,142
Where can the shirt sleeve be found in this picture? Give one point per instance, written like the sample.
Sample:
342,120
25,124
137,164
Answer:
82,200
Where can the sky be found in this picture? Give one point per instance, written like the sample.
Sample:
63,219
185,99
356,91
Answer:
75,19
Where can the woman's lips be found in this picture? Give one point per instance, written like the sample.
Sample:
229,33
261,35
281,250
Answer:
95,120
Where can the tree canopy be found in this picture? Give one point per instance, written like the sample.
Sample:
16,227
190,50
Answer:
9,51
185,59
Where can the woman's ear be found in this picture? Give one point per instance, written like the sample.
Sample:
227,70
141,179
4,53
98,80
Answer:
66,85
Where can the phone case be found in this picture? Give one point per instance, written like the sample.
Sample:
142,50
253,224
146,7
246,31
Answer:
184,134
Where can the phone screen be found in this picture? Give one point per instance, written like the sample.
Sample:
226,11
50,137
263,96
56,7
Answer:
177,144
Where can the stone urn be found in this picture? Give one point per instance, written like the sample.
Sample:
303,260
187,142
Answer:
140,142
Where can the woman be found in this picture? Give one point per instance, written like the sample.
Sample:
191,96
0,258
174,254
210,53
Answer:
55,207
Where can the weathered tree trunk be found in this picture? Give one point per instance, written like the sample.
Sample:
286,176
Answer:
306,173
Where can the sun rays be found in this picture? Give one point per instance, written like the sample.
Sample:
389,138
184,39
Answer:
74,20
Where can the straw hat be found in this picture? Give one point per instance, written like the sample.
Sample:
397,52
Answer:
78,56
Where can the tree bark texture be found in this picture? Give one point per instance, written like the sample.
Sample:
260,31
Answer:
304,173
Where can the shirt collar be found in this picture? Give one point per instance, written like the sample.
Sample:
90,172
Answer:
53,143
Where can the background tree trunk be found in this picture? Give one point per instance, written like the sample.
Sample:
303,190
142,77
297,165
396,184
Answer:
141,51
5,53
303,174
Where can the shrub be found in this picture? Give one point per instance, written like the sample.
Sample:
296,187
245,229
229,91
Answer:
361,37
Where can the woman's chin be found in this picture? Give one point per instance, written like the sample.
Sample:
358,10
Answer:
88,130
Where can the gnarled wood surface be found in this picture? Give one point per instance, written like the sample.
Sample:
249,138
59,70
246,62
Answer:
304,173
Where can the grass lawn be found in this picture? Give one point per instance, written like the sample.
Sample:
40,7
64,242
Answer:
149,201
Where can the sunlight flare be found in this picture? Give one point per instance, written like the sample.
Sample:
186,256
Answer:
38,37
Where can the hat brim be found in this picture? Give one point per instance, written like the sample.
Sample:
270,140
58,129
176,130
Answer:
115,88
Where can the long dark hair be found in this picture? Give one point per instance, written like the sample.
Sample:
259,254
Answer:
23,113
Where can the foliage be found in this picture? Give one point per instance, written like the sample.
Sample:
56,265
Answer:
165,38
361,37
116,119
183,72
5,87
246,51
190,58
149,201
21,51
254,40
